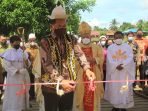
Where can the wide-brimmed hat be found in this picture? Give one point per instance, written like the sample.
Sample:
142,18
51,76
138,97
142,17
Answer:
58,13
103,36
110,32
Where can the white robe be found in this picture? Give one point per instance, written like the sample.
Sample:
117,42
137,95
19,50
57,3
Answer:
112,90
13,61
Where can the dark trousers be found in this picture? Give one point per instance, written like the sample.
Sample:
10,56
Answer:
53,102
104,78
141,75
4,74
32,90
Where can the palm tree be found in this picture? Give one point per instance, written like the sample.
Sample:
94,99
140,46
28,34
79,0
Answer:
113,25
140,24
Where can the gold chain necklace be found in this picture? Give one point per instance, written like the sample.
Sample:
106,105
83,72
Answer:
70,59
55,55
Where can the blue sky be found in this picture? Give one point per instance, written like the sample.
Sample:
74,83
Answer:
122,10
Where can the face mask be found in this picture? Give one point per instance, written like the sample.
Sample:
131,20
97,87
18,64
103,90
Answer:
21,44
139,35
130,39
16,46
60,32
118,41
86,41
8,42
32,43
103,43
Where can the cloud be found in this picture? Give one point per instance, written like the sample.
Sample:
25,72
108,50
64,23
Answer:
134,22
101,2
96,22
122,10
144,4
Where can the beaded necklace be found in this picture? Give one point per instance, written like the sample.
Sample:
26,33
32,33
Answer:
57,59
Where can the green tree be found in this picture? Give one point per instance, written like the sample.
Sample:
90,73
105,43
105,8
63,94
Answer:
140,24
73,8
32,14
102,31
145,26
125,26
113,25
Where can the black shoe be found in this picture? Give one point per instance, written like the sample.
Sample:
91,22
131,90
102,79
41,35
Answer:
123,110
115,109
118,109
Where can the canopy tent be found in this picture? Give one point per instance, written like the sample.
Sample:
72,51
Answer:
134,30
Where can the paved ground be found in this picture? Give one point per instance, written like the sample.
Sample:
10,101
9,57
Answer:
141,104
33,108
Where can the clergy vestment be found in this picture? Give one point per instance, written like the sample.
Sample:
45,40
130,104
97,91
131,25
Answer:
84,99
16,98
35,59
116,55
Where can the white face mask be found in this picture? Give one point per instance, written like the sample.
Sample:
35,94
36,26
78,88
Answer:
130,39
21,44
86,41
32,43
118,41
103,43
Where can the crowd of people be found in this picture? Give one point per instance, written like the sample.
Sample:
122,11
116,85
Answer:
76,69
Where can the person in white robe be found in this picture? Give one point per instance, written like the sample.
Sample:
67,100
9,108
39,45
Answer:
16,97
120,67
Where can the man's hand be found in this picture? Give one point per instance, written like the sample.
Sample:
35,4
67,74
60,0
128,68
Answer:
18,71
68,85
119,67
90,75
